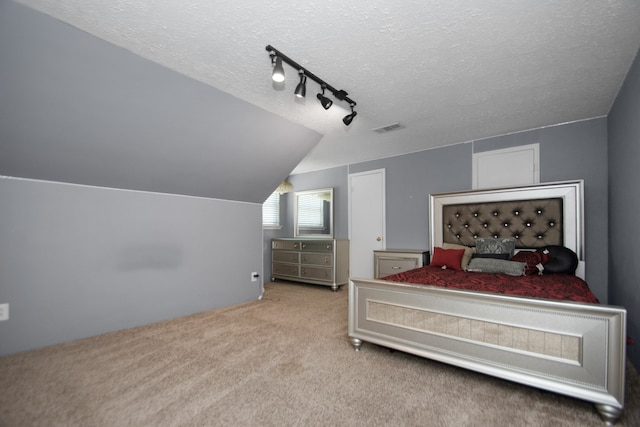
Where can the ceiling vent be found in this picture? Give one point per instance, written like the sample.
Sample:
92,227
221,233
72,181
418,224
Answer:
389,128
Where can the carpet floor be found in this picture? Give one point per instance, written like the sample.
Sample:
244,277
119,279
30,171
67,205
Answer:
283,361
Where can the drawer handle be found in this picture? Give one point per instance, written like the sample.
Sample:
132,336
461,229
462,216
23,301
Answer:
395,267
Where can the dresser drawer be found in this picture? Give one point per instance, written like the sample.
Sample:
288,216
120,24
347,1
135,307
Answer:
316,259
393,261
317,246
285,269
316,273
292,245
387,267
286,256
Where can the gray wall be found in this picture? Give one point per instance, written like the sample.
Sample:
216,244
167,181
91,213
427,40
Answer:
624,203
77,261
409,181
567,152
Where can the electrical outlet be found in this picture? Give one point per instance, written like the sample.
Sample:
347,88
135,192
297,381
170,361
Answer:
254,276
4,311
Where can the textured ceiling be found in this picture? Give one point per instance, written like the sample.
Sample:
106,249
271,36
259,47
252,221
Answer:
449,71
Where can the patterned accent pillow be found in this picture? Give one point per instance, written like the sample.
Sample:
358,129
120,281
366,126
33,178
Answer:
535,261
505,245
490,265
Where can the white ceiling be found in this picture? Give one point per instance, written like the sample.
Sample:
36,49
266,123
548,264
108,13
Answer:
449,71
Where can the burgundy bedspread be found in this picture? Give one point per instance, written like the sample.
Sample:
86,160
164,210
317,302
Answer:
550,286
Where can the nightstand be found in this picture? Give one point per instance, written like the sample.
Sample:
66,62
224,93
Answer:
393,261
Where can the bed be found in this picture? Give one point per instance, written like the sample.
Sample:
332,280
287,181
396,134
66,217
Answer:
572,347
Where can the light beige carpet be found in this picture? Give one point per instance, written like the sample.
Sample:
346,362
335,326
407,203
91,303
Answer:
282,361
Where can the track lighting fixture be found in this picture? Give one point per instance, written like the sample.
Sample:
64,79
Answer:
278,70
326,102
349,117
301,89
278,76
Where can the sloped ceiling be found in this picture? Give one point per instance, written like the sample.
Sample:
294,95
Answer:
449,72
76,109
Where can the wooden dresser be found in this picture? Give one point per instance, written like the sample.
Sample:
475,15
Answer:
318,261
393,261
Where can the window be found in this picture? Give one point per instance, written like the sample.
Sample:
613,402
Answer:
271,211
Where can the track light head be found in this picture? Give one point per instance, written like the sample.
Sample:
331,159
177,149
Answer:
326,102
349,117
301,89
278,70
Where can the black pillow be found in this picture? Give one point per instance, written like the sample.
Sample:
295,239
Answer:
562,260
492,256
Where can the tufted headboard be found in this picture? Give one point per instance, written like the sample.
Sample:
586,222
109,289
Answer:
536,216
533,223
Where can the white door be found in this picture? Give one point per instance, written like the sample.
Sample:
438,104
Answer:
366,220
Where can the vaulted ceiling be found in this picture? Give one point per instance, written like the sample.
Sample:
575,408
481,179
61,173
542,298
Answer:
447,72
77,109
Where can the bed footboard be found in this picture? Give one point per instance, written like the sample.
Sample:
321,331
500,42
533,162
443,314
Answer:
570,348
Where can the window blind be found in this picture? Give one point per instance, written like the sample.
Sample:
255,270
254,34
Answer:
310,211
271,211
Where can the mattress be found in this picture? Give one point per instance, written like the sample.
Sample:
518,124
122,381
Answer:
566,287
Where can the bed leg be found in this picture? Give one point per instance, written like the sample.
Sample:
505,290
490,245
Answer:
356,343
610,414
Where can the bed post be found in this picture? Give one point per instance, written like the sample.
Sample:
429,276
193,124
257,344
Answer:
609,414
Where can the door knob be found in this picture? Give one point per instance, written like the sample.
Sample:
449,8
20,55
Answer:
379,239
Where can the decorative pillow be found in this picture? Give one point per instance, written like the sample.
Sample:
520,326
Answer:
562,260
506,245
535,261
494,256
468,252
488,265
447,258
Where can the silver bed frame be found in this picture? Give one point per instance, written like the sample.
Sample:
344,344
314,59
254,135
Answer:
570,348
